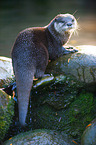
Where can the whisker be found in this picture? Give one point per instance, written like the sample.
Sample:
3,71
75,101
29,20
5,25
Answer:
75,32
78,18
75,12
78,27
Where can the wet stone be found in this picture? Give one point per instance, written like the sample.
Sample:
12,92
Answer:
89,135
40,137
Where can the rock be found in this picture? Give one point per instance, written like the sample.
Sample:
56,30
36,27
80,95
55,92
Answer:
40,137
6,70
66,101
44,81
89,135
6,113
5,67
63,97
80,65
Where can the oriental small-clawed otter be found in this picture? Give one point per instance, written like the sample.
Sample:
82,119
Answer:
32,50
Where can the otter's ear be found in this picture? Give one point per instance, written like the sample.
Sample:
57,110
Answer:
56,19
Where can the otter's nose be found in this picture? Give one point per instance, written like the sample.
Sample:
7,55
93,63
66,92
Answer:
69,24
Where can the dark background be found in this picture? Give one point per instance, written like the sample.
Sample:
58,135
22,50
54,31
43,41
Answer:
16,15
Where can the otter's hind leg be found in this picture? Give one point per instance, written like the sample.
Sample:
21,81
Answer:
24,81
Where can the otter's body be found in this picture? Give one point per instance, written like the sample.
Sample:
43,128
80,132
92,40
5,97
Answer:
31,52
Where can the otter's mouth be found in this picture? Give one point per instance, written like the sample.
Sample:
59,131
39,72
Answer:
72,27
69,28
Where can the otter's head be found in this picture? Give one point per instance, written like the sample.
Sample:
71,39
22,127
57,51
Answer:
65,23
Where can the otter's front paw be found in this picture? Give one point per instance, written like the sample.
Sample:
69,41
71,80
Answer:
69,50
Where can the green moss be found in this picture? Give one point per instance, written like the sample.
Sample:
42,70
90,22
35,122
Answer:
71,120
82,105
81,112
6,113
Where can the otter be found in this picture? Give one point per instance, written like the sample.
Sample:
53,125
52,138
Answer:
32,50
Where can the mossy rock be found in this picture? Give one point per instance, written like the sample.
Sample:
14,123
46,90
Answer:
40,137
6,113
71,119
59,92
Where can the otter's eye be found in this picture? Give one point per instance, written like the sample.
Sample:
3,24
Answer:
62,22
56,19
59,20
72,20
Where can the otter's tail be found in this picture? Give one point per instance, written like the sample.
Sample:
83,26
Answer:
24,81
